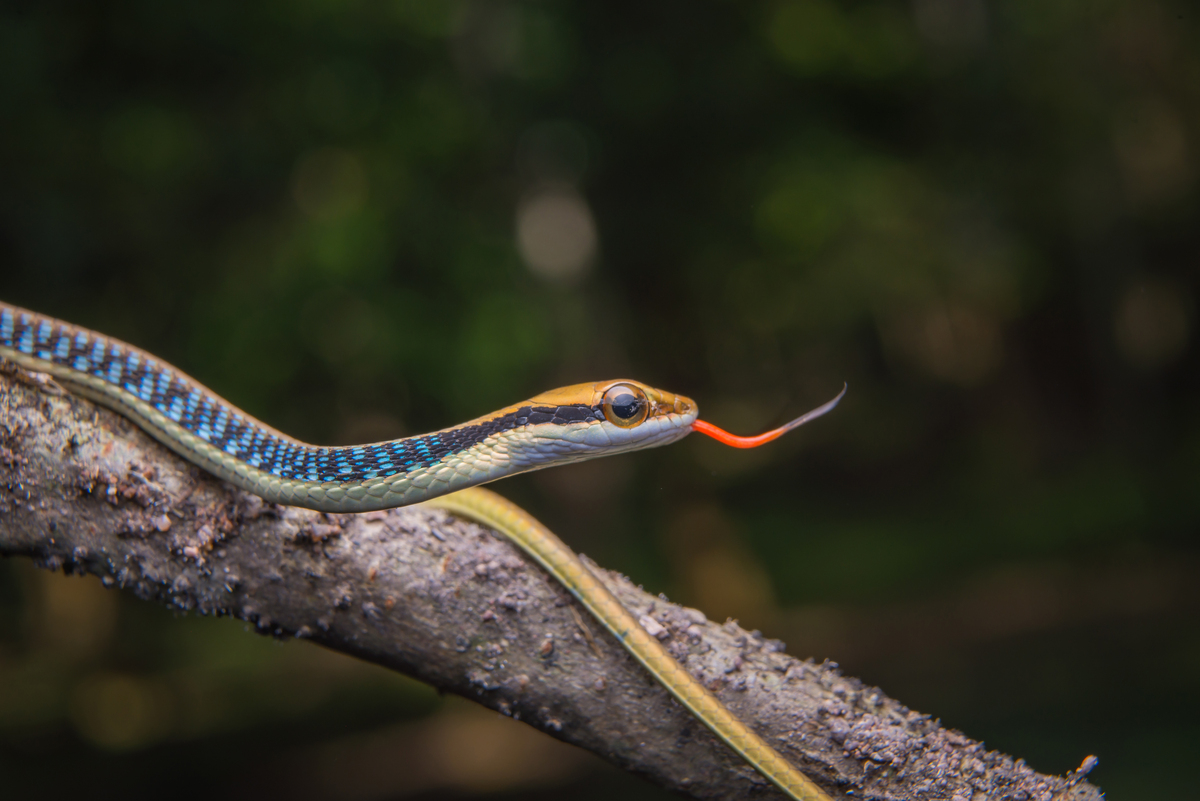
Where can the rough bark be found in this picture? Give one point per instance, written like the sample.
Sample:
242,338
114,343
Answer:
457,606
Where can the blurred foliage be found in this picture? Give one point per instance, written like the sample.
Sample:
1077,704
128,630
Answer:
359,220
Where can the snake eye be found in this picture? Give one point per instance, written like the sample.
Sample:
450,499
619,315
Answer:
625,405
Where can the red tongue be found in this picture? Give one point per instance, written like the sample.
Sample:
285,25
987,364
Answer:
721,435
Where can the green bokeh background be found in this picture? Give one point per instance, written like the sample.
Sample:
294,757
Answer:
982,216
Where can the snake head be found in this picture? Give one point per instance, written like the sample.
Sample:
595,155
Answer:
585,421
617,416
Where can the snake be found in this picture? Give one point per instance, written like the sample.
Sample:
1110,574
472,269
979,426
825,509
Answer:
442,469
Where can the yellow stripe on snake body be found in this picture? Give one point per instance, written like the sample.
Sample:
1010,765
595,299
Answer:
565,425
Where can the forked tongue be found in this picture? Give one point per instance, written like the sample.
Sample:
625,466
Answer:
721,435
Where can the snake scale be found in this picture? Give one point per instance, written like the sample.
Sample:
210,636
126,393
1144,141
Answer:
443,468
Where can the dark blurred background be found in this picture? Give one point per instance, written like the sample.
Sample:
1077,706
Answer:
361,220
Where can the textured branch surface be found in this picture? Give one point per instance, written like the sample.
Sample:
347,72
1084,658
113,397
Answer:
457,606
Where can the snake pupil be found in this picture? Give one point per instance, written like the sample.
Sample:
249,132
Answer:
625,406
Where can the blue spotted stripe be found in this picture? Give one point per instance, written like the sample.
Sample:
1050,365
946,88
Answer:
142,378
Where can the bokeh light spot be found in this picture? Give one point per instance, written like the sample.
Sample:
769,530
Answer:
1152,150
952,341
721,575
120,712
556,234
1152,324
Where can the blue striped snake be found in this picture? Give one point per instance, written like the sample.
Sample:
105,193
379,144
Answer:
443,469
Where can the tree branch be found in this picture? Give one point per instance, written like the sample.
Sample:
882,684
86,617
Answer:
458,607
